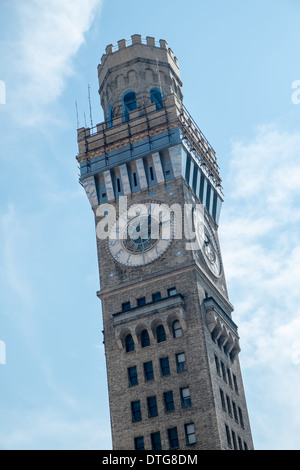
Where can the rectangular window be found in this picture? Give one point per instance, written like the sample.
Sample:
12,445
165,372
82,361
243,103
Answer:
228,436
169,401
134,179
155,441
241,417
180,362
240,443
222,399
217,365
164,366
223,372
229,378
190,434
234,440
235,414
236,388
125,306
185,396
228,405
141,301
132,376
172,291
156,296
188,169
136,411
118,185
139,443
148,371
151,173
152,406
173,438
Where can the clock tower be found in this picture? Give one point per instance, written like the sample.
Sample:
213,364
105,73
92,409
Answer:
152,179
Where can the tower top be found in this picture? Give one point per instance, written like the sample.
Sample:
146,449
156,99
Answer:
137,72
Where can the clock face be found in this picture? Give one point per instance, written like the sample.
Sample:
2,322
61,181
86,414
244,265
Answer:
208,245
141,235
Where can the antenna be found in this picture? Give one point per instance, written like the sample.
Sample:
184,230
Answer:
89,96
161,92
77,115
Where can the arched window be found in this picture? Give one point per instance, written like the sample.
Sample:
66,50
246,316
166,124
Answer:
156,97
177,330
129,343
145,340
129,104
160,334
109,117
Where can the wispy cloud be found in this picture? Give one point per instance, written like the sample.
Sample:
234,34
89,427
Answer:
51,33
261,250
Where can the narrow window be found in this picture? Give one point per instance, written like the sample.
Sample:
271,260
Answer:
145,339
129,343
155,441
228,405
190,434
139,443
180,362
177,330
132,376
236,388
217,365
160,334
185,396
228,436
136,411
118,185
134,179
151,173
240,443
169,401
148,371
173,438
222,399
109,117
156,97
241,417
234,440
235,414
129,104
229,378
152,406
164,366
223,372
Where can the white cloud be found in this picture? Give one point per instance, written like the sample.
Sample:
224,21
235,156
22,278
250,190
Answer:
51,33
261,251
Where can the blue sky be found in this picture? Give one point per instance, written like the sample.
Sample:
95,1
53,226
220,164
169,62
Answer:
238,61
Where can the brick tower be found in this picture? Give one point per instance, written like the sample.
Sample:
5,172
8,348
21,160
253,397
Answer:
153,183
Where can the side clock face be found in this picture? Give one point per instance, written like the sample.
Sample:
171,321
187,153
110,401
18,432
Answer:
208,245
141,235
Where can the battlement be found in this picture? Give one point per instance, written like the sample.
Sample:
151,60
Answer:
137,39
